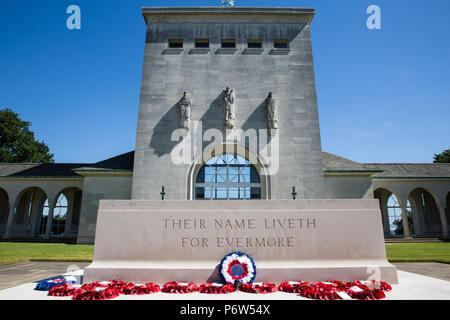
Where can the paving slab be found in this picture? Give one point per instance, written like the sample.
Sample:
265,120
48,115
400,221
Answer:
20,273
430,269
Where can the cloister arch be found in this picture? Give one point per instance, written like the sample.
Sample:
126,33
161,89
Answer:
28,207
61,217
426,212
397,218
57,222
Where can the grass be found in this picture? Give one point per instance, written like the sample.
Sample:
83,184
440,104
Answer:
418,252
14,252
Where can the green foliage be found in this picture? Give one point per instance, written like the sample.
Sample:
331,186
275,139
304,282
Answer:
443,157
17,141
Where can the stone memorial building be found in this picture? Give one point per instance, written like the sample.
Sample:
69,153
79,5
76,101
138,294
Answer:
228,110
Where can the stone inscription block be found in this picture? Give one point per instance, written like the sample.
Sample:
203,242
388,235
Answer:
301,239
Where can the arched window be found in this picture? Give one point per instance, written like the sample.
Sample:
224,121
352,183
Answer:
227,177
59,216
395,216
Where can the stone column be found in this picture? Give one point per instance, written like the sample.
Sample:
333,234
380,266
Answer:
11,216
70,203
443,221
405,222
416,219
48,230
384,215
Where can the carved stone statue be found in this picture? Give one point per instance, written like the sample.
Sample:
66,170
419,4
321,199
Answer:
272,112
185,111
228,98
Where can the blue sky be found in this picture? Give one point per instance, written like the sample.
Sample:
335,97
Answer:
384,95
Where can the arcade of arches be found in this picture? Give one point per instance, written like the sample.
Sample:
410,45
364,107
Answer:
418,214
32,215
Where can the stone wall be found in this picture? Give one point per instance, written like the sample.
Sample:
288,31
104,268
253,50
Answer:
95,189
348,187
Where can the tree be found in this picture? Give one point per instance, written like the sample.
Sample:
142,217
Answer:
443,157
17,141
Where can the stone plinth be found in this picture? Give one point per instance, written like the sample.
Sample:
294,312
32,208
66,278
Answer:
160,241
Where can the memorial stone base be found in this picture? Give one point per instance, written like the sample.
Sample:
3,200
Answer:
308,240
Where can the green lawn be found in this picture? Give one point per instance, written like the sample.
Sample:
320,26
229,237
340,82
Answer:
13,252
419,252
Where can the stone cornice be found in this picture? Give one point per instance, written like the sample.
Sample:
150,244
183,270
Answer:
351,172
380,178
8,178
233,11
98,172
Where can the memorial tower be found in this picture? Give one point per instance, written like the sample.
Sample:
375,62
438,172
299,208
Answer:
238,85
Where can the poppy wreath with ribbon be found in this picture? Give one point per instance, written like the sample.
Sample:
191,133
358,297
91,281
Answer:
372,285
329,290
363,292
367,290
216,288
179,287
119,285
320,291
138,289
262,287
64,290
96,293
237,268
292,286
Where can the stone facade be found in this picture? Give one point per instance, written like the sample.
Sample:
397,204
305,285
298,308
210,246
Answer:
205,72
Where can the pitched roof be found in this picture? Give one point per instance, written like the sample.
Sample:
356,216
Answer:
38,170
8,169
123,162
331,164
412,170
334,163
